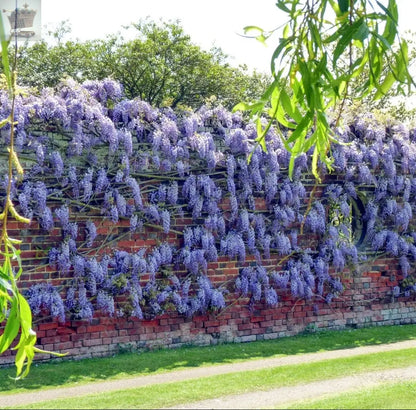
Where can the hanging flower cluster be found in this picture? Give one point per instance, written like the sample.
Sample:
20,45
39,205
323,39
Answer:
94,156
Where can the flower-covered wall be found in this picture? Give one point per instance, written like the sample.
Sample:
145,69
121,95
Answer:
152,228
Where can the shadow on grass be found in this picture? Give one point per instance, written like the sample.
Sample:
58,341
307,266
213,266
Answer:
70,372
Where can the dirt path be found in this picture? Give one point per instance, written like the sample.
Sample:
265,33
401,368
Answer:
286,395
22,399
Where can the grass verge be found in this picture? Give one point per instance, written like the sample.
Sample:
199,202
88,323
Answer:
66,373
172,394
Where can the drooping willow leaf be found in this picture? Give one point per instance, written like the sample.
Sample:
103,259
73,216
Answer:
304,87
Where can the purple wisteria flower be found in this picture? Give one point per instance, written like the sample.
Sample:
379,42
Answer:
282,244
109,160
91,233
316,219
39,195
63,216
46,219
57,164
44,296
84,306
105,302
165,217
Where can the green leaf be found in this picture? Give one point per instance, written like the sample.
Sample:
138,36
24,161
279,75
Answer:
248,29
4,298
309,143
391,26
254,108
25,354
391,10
332,37
262,141
315,36
286,31
402,61
306,84
357,31
25,314
343,5
398,73
382,41
270,90
295,151
279,115
281,4
242,106
12,327
301,129
315,171
4,122
260,33
5,284
362,32
284,43
290,106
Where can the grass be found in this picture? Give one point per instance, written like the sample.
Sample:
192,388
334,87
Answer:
387,396
174,393
67,373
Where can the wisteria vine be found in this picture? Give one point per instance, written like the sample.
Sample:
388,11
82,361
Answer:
92,156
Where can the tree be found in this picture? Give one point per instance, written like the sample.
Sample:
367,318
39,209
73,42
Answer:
308,79
43,66
160,65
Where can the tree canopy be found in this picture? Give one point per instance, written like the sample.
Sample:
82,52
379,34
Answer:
160,65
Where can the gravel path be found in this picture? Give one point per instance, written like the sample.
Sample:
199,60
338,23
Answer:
250,400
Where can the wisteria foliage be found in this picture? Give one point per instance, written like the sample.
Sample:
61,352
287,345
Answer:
123,160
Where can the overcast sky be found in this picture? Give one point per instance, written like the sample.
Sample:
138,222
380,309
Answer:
209,23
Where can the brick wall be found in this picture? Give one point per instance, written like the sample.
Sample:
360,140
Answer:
366,300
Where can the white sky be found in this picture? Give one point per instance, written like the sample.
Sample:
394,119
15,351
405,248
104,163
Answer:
209,23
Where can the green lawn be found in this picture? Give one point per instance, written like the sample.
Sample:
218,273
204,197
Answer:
175,393
69,372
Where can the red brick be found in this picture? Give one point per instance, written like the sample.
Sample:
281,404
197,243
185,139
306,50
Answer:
62,347
267,323
108,333
96,328
78,337
212,329
92,342
154,322
245,326
48,346
47,326
135,331
211,323
81,329
256,319
121,339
